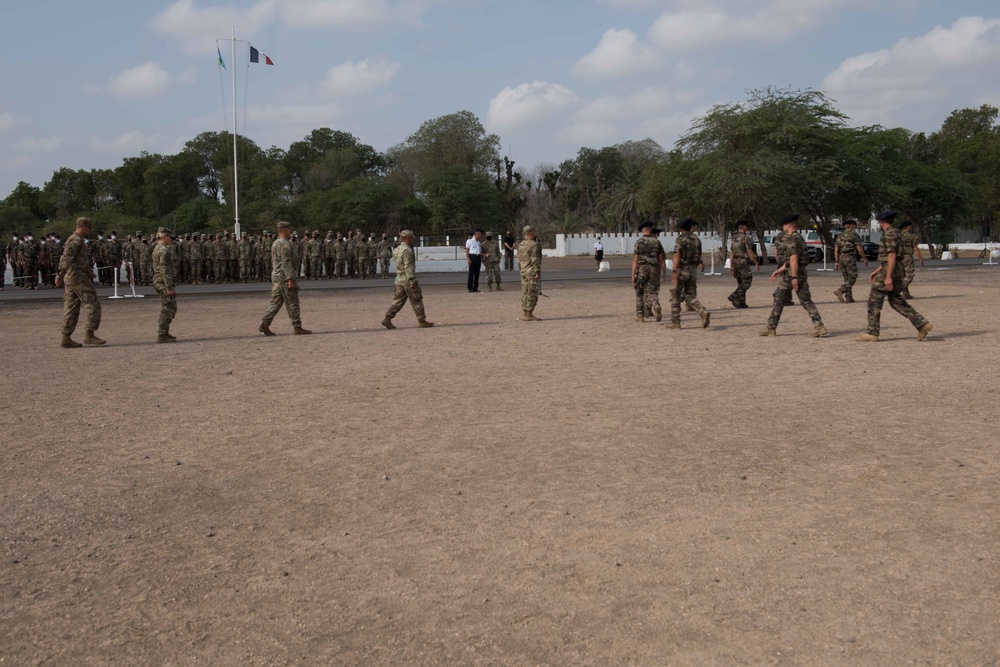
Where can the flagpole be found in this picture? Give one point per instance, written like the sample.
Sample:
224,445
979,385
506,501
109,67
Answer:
236,177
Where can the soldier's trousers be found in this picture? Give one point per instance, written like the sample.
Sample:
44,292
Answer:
909,270
849,270
492,273
244,270
352,267
404,293
686,289
281,295
3,270
78,296
385,266
529,292
30,275
220,270
784,293
508,260
647,289
373,266
877,298
196,271
340,267
744,279
234,269
168,308
208,270
316,267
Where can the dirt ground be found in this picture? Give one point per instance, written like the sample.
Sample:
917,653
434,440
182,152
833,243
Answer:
583,490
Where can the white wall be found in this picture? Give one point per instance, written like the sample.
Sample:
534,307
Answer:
568,245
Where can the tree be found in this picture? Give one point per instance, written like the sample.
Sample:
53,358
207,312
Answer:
457,141
26,197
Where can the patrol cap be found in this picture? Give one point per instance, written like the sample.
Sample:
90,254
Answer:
163,230
526,229
406,233
284,225
82,222
906,224
644,224
793,217
887,214
687,224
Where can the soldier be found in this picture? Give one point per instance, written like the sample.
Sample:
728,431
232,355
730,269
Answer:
137,251
910,248
384,252
266,247
792,258
243,251
75,273
233,254
529,261
887,281
115,257
846,249
740,255
328,254
163,283
407,287
508,250
352,258
314,250
649,261
491,260
3,263
196,257
340,257
361,257
222,258
147,262
29,256
684,276
284,284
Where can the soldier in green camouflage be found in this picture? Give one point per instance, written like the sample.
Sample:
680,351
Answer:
910,249
314,253
76,274
790,251
741,254
284,284
164,280
887,282
684,276
846,250
384,250
490,250
529,262
649,263
361,257
407,287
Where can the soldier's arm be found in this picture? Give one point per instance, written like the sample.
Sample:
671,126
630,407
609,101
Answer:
861,252
635,266
889,268
677,262
753,255
917,253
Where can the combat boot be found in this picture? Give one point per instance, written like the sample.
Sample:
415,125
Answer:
265,329
732,300
165,338
840,295
639,318
924,330
166,334
867,338
299,331
91,339
819,331
768,332
849,299
499,289
705,318
387,323
424,324
906,294
658,312
68,342
674,325
529,316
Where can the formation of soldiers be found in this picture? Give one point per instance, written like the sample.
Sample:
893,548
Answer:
202,258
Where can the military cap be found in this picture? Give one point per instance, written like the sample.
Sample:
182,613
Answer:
526,229
163,230
742,223
657,230
793,217
204,236
84,222
887,214
284,225
906,224
644,224
406,233
850,222
687,223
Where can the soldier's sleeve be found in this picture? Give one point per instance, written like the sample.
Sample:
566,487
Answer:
69,254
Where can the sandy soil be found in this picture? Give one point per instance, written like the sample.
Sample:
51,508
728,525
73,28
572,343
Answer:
582,490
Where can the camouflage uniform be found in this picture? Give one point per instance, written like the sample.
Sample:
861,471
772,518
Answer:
491,260
29,257
340,258
281,273
163,281
651,255
529,262
75,273
906,259
407,287
233,253
384,252
740,248
686,287
221,259
3,263
196,254
847,255
892,241
314,251
361,258
792,244
352,257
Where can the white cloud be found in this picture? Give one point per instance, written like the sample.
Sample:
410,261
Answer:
297,115
9,121
43,145
644,103
528,103
933,73
586,133
355,78
146,80
619,52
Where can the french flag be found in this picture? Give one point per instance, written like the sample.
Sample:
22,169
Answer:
255,56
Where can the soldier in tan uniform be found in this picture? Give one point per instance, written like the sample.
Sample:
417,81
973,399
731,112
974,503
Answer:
529,261
75,273
164,280
284,284
407,287
911,249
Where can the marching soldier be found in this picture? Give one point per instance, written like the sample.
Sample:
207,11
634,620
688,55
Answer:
792,258
887,282
846,249
740,255
76,274
407,287
684,276
649,261
529,261
284,284
163,283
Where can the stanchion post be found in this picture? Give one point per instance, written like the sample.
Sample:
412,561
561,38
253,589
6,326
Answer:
131,282
712,272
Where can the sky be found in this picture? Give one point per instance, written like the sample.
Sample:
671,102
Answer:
85,85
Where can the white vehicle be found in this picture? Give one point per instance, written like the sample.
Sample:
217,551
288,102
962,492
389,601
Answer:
814,244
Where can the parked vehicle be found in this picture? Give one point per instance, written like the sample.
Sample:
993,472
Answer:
814,246
871,250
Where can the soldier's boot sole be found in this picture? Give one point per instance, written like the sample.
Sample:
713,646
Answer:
867,338
840,296
658,312
424,324
91,339
162,338
819,331
68,342
265,329
706,317
299,331
387,323
924,330
767,332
